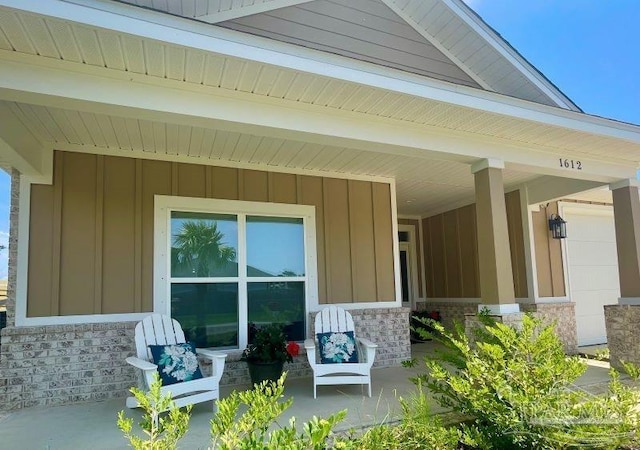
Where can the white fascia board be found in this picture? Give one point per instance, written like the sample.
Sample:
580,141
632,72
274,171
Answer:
191,34
59,84
243,11
491,37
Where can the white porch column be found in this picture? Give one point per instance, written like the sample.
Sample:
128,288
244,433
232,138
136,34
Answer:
494,256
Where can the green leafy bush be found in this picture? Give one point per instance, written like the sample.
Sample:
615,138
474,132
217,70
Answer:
245,421
418,430
162,430
516,388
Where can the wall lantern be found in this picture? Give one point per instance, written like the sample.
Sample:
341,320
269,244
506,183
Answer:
557,226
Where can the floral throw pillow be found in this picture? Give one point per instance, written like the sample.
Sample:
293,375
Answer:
338,347
176,362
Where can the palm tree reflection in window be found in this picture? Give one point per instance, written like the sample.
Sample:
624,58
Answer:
199,251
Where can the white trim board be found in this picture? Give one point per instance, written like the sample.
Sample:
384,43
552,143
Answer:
413,248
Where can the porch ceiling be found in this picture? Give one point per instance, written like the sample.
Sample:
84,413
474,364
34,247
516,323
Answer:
34,34
175,89
423,186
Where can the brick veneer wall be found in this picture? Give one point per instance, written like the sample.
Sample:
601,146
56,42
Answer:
564,316
449,311
622,333
62,364
562,313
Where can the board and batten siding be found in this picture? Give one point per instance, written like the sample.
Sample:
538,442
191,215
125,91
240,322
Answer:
549,264
450,243
91,231
366,30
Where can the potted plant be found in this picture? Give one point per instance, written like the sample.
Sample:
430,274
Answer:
267,352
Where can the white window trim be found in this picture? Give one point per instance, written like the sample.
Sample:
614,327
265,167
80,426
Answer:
164,205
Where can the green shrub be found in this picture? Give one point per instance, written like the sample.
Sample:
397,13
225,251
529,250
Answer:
163,429
253,428
516,388
418,430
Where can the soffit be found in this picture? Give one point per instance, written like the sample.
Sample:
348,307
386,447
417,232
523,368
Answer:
33,34
423,185
449,25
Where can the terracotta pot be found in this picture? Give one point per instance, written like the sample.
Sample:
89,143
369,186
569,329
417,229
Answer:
261,371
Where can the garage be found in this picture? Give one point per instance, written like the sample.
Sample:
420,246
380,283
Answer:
591,267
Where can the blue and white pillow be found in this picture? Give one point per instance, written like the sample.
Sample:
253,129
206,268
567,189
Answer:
338,347
176,362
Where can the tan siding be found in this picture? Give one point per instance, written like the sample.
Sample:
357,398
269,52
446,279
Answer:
516,241
192,180
311,194
541,245
156,180
548,255
362,236
428,258
439,256
118,284
337,241
385,280
451,252
224,183
468,251
282,188
92,231
41,256
77,250
255,186
555,252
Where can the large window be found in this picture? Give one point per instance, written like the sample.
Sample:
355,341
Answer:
225,267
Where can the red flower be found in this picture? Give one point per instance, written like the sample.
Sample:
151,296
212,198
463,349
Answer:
293,348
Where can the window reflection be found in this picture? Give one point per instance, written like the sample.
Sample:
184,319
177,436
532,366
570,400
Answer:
278,302
207,312
203,245
275,247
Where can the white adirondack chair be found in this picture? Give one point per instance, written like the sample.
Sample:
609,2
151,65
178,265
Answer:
158,329
336,319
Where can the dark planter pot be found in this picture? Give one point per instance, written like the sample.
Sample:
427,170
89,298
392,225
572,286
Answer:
261,371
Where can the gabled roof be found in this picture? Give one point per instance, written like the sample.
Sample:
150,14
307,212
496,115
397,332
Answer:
442,39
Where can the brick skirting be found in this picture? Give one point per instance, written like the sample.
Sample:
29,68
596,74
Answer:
62,364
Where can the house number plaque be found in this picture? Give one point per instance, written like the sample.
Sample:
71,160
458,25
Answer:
570,164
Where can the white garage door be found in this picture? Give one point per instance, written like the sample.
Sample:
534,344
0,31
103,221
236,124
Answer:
592,269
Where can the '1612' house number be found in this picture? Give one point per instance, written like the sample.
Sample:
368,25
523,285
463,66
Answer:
570,164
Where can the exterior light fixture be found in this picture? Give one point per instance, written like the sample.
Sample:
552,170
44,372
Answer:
557,226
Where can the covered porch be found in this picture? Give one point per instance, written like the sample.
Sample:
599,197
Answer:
212,115
93,425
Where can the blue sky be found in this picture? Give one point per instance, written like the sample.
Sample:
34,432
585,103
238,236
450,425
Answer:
588,48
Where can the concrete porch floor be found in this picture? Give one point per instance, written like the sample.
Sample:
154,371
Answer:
93,425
